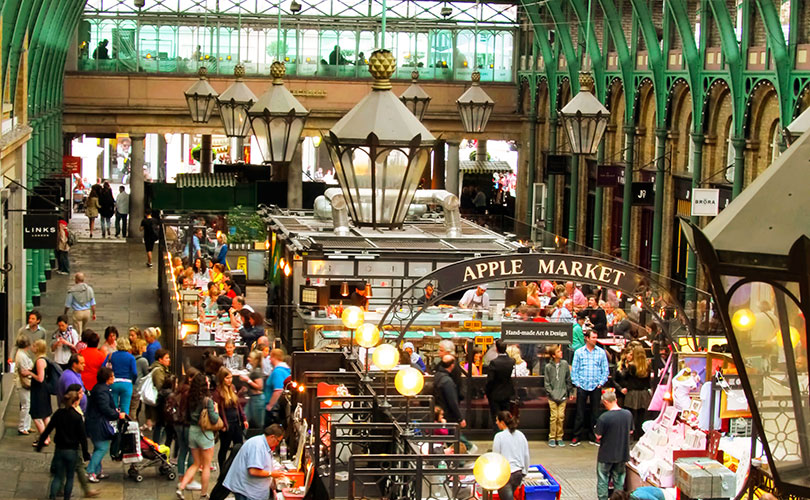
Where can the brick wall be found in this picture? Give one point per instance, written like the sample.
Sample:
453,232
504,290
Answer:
804,22
758,35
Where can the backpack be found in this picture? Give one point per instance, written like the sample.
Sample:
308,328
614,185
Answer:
52,374
147,389
174,409
71,238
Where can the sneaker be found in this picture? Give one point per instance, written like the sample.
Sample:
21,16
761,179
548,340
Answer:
473,450
213,466
560,443
180,495
594,443
103,476
93,478
552,443
148,264
575,442
194,486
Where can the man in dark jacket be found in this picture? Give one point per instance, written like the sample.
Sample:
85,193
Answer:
446,347
499,388
445,395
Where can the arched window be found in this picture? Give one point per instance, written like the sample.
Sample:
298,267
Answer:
776,140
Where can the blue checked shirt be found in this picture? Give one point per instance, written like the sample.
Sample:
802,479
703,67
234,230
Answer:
590,368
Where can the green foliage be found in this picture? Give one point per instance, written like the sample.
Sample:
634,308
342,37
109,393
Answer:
245,226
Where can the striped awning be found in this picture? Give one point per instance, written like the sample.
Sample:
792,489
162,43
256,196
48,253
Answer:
205,180
484,167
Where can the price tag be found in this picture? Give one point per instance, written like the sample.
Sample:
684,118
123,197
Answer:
472,325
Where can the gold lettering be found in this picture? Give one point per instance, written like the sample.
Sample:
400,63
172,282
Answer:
562,268
481,268
468,274
590,272
619,275
504,272
604,274
546,267
576,269
517,267
493,266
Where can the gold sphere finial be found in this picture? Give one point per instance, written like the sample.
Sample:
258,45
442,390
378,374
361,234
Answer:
202,72
476,77
414,75
585,81
239,71
277,71
381,65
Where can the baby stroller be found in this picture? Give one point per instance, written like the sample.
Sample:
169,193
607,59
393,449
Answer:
139,452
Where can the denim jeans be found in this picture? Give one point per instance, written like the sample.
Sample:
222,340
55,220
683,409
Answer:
62,261
122,395
507,492
606,471
255,411
100,448
106,222
183,452
63,466
121,224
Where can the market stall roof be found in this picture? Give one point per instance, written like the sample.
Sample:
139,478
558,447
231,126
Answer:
484,167
423,235
205,180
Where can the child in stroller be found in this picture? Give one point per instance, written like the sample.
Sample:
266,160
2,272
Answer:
140,452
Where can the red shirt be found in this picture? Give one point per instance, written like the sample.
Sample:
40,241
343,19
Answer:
93,359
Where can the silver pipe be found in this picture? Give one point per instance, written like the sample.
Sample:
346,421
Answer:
449,203
340,211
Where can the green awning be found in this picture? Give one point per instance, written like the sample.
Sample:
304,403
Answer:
484,167
205,180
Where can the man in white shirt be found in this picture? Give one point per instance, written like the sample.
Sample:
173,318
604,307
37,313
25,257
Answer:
475,299
121,212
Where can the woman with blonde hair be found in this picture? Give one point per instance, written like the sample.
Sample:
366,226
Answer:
635,385
230,409
533,295
521,369
125,369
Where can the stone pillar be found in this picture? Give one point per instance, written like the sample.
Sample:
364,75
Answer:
161,158
437,180
136,188
481,150
19,258
295,187
452,172
205,154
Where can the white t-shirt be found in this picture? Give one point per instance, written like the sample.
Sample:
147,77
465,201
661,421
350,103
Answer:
62,353
472,300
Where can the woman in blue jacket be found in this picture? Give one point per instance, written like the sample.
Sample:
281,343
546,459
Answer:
125,369
100,411
221,250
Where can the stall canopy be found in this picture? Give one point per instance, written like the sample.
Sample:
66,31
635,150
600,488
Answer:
205,180
484,167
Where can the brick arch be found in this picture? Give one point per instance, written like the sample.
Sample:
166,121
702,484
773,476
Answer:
718,110
762,120
645,123
615,102
803,101
679,107
563,96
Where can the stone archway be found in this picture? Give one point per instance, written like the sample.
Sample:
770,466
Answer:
762,127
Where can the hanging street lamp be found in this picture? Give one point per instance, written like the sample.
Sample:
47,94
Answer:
201,98
762,288
475,106
379,150
415,97
234,104
278,120
584,118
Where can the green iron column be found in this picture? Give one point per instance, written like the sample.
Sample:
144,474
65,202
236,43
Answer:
691,258
598,202
739,165
627,202
573,199
551,198
658,216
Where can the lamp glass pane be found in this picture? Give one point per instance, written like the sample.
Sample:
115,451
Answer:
771,335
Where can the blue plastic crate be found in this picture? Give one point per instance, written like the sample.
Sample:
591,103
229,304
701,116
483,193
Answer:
550,492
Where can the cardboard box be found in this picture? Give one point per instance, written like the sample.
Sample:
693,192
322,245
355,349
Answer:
693,480
724,482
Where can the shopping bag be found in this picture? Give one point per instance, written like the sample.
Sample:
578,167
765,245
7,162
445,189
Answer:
131,444
657,402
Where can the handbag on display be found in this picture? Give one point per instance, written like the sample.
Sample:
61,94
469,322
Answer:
657,402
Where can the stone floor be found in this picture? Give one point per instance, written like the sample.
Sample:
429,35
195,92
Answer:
126,292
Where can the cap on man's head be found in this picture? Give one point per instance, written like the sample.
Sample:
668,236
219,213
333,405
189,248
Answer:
483,287
407,345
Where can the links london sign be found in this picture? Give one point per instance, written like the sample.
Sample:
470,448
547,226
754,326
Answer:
582,269
40,231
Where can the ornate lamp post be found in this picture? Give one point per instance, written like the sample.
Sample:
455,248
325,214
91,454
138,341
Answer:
379,150
415,97
277,119
234,104
385,357
201,98
584,120
368,336
352,318
475,106
409,382
762,288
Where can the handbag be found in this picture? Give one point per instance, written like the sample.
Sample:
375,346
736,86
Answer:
657,402
205,420
147,389
107,430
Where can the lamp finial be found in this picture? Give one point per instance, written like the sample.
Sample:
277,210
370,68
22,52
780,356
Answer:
202,72
585,81
381,65
277,71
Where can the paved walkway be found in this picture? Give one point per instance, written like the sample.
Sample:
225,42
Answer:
126,292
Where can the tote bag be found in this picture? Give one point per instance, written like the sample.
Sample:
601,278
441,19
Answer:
657,402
